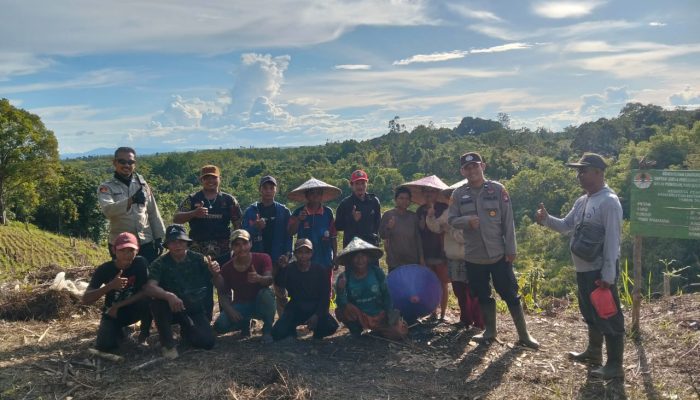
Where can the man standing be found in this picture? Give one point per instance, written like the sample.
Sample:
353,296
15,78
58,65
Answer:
128,202
180,283
483,211
266,221
210,213
359,214
599,207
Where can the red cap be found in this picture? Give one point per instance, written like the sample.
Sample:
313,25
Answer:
126,239
359,175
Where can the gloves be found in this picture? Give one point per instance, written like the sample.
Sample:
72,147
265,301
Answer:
158,245
139,197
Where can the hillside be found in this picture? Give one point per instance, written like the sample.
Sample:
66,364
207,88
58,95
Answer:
25,249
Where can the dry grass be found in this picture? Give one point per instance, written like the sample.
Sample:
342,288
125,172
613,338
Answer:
50,360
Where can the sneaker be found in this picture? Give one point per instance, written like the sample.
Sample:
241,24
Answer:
169,353
267,338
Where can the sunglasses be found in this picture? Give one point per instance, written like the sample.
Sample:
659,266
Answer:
125,162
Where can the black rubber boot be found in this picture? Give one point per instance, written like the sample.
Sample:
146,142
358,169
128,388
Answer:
615,347
489,313
524,337
594,352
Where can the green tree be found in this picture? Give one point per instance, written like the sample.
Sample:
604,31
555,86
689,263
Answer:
28,153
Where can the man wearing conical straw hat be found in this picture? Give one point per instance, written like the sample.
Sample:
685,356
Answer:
315,221
362,294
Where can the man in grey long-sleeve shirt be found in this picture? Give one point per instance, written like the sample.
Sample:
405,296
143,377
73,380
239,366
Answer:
482,210
601,207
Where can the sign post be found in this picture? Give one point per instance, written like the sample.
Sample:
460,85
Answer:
665,203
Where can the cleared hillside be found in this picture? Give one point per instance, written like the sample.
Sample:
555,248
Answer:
25,248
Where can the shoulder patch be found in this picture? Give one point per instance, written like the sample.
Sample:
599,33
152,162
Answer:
505,196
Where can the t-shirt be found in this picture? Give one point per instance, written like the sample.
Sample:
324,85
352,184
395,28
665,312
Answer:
433,248
404,241
368,225
306,287
190,280
216,224
370,293
268,213
136,276
237,281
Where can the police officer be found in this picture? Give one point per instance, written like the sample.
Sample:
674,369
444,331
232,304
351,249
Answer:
128,202
482,210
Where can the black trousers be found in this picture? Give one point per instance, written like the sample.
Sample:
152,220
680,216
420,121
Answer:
110,331
296,314
194,325
503,278
614,325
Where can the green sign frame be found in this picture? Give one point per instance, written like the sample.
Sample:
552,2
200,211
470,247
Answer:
665,203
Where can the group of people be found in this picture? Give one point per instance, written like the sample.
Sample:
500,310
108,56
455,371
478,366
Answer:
464,233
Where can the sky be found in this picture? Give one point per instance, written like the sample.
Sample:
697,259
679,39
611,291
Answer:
173,75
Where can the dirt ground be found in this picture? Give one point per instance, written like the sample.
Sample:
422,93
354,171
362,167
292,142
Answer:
50,360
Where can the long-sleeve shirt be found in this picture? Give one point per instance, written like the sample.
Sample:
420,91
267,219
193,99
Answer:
367,227
603,209
403,241
143,220
495,236
453,239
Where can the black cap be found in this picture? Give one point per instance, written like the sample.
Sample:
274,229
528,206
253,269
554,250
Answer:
589,160
471,157
176,232
267,178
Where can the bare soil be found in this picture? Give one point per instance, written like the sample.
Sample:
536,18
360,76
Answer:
50,360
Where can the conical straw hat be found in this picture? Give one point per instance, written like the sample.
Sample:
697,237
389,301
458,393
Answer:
330,192
446,194
416,187
357,245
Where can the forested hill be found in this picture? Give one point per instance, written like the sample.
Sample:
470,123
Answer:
530,164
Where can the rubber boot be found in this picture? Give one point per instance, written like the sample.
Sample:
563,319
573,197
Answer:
594,352
524,337
489,312
615,347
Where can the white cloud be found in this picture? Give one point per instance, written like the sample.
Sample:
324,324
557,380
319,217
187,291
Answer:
180,26
473,14
12,63
604,47
657,24
457,54
606,104
581,29
564,9
353,67
651,63
688,97
91,79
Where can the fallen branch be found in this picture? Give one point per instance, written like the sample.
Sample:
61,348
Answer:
106,356
148,363
43,334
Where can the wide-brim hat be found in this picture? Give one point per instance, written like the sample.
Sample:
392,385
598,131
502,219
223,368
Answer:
446,194
355,246
330,192
416,187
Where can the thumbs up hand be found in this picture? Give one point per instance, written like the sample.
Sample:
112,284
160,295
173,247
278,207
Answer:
356,215
213,265
392,223
260,222
118,282
200,211
541,214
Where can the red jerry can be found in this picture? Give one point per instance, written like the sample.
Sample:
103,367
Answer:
603,302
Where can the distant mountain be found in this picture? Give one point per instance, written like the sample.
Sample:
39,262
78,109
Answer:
104,151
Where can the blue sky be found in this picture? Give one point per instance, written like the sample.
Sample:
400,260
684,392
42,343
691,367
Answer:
175,75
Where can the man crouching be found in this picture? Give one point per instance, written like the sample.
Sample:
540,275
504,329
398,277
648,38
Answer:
121,282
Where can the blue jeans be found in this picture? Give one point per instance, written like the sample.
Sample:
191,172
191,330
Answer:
263,309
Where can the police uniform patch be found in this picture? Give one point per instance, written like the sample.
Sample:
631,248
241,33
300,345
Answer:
506,198
104,189
492,213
